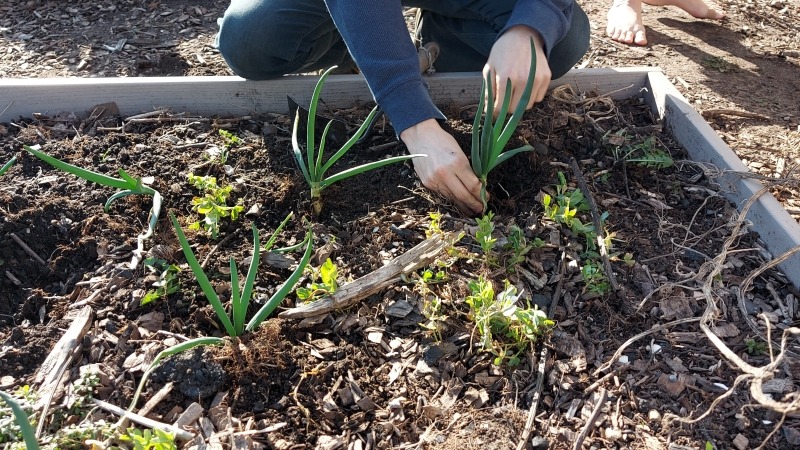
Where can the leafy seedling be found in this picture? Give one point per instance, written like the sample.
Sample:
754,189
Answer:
213,204
8,165
490,139
646,154
240,297
323,282
312,165
483,235
506,329
167,283
156,439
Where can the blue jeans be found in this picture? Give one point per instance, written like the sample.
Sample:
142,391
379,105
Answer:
262,39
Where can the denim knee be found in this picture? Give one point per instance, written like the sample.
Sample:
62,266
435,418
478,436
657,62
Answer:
249,48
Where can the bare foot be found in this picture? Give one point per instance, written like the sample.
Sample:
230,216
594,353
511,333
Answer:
625,21
697,8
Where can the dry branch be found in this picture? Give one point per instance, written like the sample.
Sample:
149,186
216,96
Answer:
348,295
141,420
598,225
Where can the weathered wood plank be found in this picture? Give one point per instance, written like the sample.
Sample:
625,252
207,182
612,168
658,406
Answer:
770,220
234,96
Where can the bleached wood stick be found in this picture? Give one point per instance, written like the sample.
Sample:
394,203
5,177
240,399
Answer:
141,420
419,256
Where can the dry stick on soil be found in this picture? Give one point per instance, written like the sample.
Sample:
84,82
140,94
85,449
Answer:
587,428
27,249
598,225
57,362
540,368
709,113
141,420
350,294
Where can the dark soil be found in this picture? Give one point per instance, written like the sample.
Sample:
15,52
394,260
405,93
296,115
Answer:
371,377
372,374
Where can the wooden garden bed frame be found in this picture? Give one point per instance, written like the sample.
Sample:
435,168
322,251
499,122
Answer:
236,97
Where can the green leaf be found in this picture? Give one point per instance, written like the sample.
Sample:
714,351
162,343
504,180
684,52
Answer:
28,434
94,177
298,154
365,168
247,292
8,165
174,350
328,274
506,155
285,288
350,142
202,279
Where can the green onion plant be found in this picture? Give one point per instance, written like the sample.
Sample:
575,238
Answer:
127,184
312,164
240,297
489,140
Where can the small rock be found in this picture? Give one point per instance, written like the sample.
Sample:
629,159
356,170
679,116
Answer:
792,436
399,309
653,415
741,442
539,443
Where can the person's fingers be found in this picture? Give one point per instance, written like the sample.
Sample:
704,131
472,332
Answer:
466,201
501,89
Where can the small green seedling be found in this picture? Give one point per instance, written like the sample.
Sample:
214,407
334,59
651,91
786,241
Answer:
230,139
213,204
8,165
156,439
565,207
483,235
23,423
240,297
327,285
645,154
431,303
505,328
489,140
167,283
518,246
594,279
312,166
755,347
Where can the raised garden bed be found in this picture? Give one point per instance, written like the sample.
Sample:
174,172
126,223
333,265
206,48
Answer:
369,376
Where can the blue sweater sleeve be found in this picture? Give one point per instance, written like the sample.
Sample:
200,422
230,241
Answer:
378,40
551,18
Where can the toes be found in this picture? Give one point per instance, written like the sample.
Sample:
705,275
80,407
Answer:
640,38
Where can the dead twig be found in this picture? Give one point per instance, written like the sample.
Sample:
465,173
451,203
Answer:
598,225
589,426
711,113
179,433
350,294
27,249
540,368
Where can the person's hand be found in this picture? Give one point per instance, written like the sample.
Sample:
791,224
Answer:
446,169
510,58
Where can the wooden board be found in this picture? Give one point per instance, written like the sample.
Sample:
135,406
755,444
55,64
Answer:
770,220
234,96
